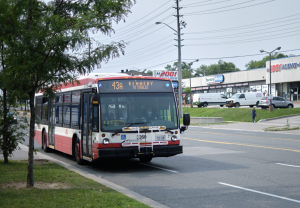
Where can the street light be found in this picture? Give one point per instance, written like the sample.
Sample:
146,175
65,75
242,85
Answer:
179,63
190,64
270,92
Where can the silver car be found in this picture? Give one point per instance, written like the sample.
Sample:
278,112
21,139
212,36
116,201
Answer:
277,102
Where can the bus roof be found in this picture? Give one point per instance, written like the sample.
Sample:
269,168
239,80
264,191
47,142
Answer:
90,80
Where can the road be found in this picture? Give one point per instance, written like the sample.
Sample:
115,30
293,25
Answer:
219,168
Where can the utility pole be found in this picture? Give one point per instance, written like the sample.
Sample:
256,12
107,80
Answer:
179,61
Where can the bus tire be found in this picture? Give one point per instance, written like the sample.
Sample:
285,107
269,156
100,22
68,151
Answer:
221,106
77,153
237,105
205,105
45,147
145,159
257,103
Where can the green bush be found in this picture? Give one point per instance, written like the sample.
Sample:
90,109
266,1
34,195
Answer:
197,103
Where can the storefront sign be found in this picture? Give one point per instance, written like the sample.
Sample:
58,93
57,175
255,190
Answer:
173,75
214,79
279,67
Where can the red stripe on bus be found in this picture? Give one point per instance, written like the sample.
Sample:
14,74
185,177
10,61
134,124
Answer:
38,136
63,144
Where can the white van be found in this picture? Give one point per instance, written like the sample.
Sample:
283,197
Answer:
206,99
242,99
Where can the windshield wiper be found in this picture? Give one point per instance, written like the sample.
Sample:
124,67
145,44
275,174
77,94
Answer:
131,124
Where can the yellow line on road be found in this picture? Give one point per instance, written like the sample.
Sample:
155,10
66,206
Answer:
247,136
248,145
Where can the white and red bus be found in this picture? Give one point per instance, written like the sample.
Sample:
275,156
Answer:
107,116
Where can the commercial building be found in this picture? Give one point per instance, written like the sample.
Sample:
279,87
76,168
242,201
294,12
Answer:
285,80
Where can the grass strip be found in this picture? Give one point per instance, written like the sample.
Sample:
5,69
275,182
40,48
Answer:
72,190
281,128
239,114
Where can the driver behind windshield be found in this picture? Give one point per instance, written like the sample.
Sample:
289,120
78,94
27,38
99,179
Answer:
149,116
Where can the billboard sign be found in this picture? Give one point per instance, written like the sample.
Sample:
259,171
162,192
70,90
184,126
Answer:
173,75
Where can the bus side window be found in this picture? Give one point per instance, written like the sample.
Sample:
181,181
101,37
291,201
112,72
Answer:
38,113
45,110
59,110
75,110
67,109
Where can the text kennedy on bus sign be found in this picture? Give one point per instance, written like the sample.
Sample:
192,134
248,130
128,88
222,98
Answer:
173,75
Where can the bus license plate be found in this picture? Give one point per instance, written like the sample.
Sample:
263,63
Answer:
160,138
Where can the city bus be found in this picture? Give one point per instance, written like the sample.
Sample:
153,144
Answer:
107,116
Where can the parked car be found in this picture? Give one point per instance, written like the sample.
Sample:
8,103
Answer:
277,102
10,113
242,99
205,99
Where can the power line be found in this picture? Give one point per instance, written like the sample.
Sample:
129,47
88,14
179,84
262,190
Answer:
146,15
196,4
246,26
240,41
142,56
138,32
259,54
197,13
159,64
241,34
135,62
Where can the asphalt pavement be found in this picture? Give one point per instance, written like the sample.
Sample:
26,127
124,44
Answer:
229,165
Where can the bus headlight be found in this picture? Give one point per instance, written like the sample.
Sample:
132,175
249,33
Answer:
105,141
174,138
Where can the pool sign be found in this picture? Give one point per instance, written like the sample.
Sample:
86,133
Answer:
173,75
279,67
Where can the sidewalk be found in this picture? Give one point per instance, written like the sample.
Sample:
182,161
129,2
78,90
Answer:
22,154
259,126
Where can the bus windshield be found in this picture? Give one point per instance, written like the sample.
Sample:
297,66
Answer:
120,110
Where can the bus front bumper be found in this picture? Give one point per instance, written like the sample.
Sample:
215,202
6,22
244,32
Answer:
133,152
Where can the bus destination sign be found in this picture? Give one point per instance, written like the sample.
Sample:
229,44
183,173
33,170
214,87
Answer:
134,85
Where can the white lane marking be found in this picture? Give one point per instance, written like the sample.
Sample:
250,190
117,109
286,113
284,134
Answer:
259,192
295,166
160,168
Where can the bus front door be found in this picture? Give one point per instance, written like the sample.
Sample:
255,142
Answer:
86,127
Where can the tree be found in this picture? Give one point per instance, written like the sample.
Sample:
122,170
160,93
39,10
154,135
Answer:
219,68
46,44
262,63
149,73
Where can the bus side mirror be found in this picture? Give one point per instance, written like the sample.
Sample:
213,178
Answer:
186,119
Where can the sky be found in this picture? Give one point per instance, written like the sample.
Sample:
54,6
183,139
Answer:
215,30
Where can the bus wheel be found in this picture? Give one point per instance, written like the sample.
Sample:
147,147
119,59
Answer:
237,105
205,105
145,159
46,149
77,153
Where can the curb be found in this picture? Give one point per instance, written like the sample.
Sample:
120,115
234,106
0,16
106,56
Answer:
269,119
107,183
